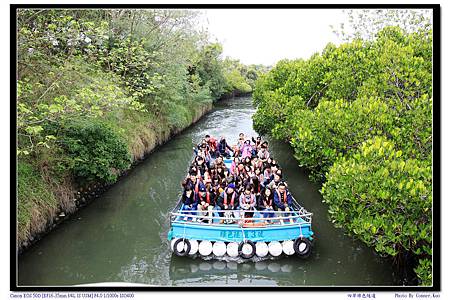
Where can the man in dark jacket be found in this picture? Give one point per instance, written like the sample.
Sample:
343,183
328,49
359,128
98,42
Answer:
223,146
283,199
189,201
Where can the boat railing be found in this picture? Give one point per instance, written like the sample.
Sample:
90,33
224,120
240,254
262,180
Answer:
238,216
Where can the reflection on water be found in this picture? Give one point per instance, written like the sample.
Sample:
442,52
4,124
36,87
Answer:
122,236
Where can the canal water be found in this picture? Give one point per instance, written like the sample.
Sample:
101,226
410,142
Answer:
121,236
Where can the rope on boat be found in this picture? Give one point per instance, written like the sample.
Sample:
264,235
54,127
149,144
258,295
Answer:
242,229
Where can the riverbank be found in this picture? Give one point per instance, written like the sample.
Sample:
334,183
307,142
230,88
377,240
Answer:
67,195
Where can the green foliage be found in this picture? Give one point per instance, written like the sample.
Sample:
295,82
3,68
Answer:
424,271
97,153
210,70
334,129
240,78
236,82
359,116
94,86
33,196
382,197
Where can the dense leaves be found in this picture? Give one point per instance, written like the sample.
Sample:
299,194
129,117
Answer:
96,151
96,88
359,116
382,197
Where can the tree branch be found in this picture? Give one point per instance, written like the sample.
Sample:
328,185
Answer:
319,91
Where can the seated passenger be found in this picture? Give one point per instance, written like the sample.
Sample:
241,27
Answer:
256,163
196,181
263,154
257,142
256,185
228,200
204,152
277,178
266,204
234,165
260,176
189,203
240,170
283,199
247,202
246,150
212,143
220,172
249,171
219,162
205,203
224,148
199,146
191,180
241,140
267,174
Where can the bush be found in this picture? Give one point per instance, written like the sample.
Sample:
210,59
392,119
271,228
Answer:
359,116
383,198
334,129
96,151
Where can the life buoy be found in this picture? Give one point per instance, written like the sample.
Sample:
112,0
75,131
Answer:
247,249
302,247
181,247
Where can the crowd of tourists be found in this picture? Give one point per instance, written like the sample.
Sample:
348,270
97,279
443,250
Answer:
254,182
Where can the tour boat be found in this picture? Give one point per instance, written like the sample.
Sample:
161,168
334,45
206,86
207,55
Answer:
288,233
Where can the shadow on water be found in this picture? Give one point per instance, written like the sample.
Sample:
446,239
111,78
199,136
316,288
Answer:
122,235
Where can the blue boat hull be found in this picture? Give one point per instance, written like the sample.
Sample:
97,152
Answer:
234,233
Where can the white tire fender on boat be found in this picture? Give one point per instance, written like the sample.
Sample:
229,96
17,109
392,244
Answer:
219,248
262,249
172,243
232,249
205,248
288,247
275,248
194,247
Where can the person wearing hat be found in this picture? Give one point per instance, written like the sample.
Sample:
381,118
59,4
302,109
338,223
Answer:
228,200
205,202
